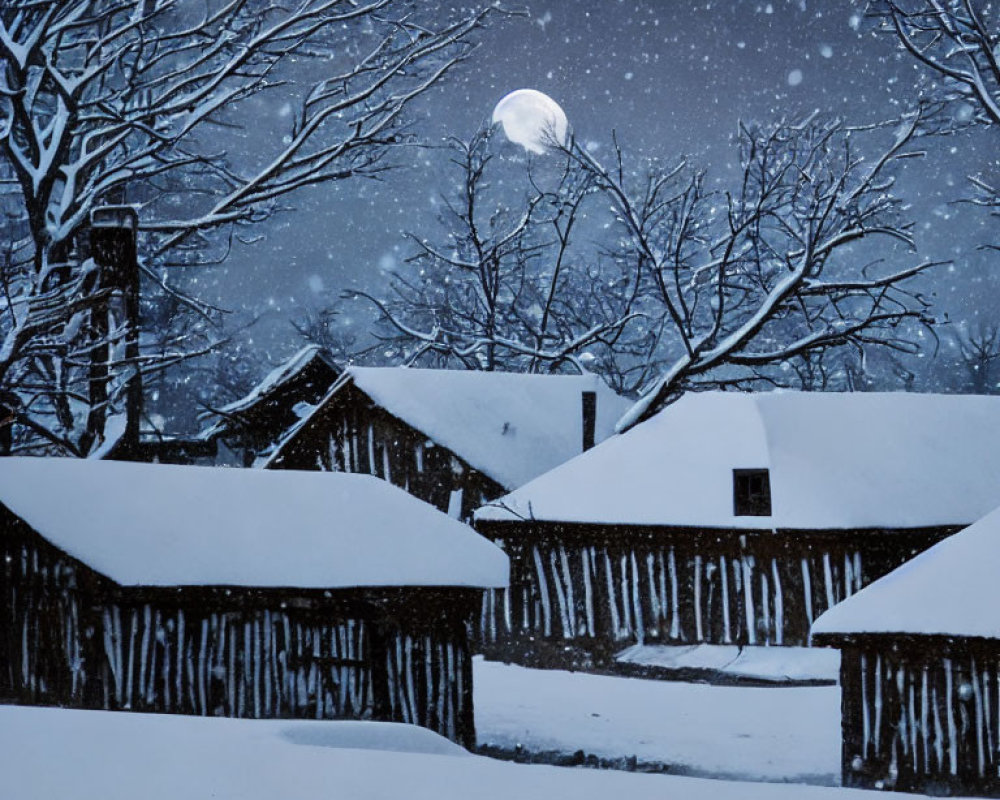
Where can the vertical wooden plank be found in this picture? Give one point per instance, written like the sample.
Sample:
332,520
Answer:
765,606
588,589
144,654
164,636
831,599
543,592
151,676
675,620
564,618
925,743
807,589
779,605
411,684
640,628
654,596
992,711
570,595
748,603
699,631
977,696
727,630
949,690
939,732
612,602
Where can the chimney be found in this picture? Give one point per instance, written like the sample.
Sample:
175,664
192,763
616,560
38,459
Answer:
589,419
113,246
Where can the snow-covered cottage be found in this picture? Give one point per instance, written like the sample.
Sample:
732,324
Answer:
920,670
235,592
453,438
739,518
248,428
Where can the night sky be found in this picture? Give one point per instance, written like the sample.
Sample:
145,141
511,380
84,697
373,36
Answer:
671,79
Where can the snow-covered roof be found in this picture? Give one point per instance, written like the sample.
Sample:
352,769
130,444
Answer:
511,427
836,461
950,589
169,525
275,379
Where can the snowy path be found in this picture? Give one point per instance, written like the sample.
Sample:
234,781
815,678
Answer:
96,755
770,733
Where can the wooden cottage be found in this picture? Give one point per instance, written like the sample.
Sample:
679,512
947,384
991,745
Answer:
920,670
234,592
733,518
453,438
248,428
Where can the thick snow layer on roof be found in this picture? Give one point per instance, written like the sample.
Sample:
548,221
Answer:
836,461
279,376
951,589
511,427
169,525
276,378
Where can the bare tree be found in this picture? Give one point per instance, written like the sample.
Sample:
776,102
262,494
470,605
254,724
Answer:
978,351
505,288
958,42
781,281
790,262
126,100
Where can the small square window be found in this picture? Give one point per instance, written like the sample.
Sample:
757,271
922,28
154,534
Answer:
751,493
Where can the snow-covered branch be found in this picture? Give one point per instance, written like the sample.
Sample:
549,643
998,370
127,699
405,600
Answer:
743,281
123,101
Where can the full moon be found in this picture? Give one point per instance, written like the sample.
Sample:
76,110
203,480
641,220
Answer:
531,119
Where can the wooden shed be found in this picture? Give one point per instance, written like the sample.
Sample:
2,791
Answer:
234,592
248,428
452,438
734,518
920,670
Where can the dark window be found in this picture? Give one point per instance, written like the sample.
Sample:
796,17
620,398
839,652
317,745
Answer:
751,493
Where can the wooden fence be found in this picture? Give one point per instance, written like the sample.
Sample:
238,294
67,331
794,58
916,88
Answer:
621,586
922,716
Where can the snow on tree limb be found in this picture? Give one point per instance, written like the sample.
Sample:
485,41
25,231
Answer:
111,101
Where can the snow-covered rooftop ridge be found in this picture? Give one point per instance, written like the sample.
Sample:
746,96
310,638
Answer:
950,589
169,525
279,376
836,461
511,427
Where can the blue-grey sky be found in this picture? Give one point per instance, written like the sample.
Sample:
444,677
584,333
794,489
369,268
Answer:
671,78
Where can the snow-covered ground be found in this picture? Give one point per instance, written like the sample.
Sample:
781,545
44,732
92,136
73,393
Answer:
755,733
765,664
50,753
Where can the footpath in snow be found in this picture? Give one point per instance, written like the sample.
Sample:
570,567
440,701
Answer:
738,732
102,755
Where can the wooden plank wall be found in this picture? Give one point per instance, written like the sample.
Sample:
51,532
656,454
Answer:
922,718
351,434
430,684
720,588
258,664
59,646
